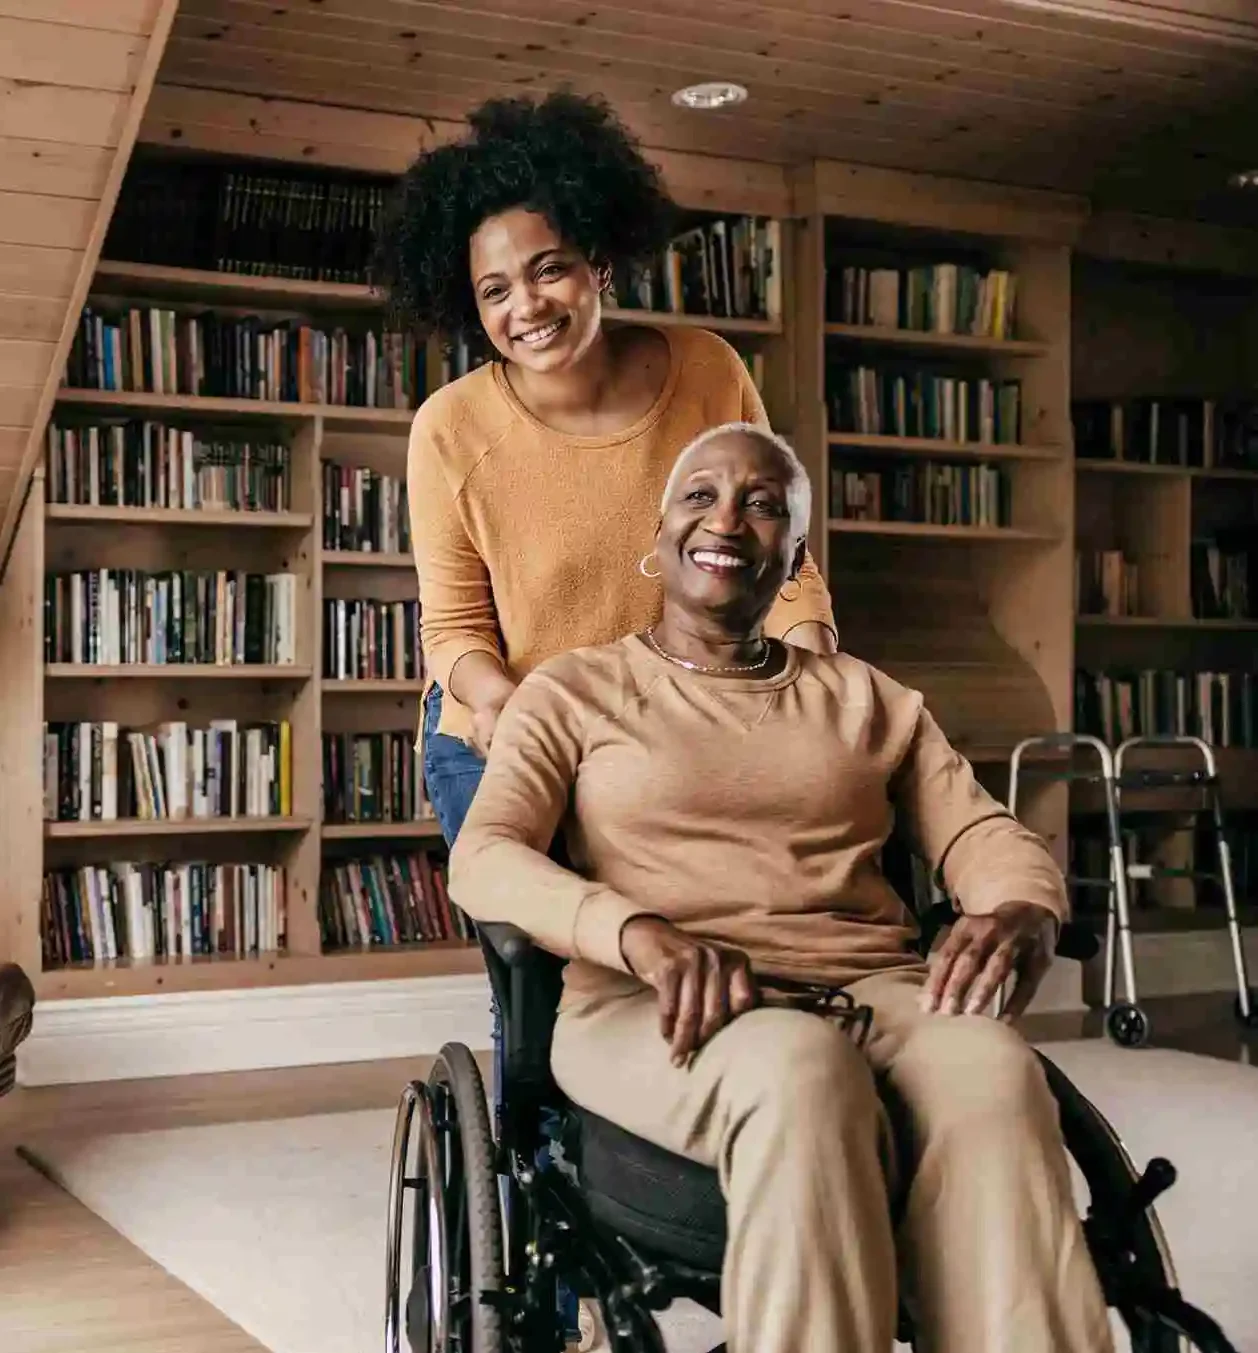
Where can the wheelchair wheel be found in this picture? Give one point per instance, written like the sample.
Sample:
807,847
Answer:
1128,1247
456,1221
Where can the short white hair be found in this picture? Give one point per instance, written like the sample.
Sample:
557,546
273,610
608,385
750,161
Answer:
798,489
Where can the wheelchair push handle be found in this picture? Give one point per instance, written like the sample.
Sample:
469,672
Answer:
509,942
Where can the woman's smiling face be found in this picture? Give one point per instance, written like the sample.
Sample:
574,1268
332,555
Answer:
727,542
539,300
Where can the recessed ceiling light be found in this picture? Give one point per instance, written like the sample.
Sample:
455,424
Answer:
1245,178
712,94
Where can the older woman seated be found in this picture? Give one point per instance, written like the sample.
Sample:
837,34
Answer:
724,799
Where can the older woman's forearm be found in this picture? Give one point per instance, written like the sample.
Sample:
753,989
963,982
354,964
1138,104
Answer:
998,860
495,876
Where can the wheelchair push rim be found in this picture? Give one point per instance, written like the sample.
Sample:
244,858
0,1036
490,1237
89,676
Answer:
435,1303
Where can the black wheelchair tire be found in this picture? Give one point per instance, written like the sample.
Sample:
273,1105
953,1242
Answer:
1109,1173
473,1207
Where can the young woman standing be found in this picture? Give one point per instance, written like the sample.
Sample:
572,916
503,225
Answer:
534,479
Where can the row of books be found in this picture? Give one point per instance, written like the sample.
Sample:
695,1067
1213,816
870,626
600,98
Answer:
115,616
315,225
373,777
143,463
1106,583
371,640
940,298
364,510
388,899
729,267
885,401
937,493
101,772
1224,577
1193,433
141,910
1219,707
244,357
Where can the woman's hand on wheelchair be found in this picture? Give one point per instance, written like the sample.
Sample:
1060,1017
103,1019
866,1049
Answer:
701,987
981,953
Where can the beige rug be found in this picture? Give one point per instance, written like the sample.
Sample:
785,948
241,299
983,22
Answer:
280,1224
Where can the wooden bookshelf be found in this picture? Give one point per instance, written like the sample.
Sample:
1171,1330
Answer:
980,616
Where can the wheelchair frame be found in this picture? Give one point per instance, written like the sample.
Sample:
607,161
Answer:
545,1233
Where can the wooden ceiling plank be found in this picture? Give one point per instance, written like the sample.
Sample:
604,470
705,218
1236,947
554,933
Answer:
952,31
35,317
58,169
410,87
119,16
92,117
80,58
32,218
24,361
27,270
779,88
738,51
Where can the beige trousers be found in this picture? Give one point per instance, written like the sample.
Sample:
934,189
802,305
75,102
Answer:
989,1246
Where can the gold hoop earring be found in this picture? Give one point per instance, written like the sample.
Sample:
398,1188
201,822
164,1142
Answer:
796,594
642,569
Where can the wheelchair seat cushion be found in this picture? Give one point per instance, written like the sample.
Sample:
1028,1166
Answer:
660,1202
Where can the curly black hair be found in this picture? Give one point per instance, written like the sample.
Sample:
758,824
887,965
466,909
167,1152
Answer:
567,157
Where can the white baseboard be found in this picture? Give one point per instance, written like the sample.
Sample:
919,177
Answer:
179,1034
186,1033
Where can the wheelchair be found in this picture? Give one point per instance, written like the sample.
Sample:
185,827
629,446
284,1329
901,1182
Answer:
504,1208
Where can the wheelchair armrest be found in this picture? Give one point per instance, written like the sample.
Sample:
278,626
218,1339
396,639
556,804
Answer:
509,942
1074,941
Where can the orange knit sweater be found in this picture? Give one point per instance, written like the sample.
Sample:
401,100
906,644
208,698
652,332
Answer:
527,540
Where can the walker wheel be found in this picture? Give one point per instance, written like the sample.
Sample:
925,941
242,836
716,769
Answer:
1127,1025
1250,1021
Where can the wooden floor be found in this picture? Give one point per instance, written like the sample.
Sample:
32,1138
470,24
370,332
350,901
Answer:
71,1284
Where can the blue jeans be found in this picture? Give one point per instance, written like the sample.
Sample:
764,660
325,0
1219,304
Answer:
452,770
452,774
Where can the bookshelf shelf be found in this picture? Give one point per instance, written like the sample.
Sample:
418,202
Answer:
211,826
915,339
1136,467
721,324
72,513
929,531
425,829
366,559
375,686
224,288
938,447
348,417
175,671
208,974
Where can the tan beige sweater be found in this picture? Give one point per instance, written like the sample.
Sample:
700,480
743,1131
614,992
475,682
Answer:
749,812
527,540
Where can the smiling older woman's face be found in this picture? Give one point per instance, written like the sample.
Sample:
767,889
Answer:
726,542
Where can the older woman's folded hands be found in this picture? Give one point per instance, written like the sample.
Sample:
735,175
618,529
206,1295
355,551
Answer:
702,987
981,953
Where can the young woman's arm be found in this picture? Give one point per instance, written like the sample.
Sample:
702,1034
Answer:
458,622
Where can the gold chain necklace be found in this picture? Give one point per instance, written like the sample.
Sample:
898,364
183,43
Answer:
756,666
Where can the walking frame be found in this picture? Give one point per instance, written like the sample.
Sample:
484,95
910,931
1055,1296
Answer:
1125,1022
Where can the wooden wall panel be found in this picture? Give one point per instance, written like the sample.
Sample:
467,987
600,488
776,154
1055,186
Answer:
74,78
207,119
